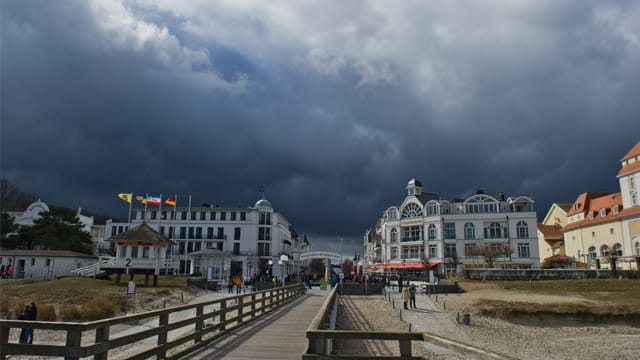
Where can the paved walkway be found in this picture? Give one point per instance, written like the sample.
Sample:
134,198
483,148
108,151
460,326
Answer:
280,334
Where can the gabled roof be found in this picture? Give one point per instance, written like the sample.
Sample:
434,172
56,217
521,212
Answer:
142,233
595,204
635,150
550,231
582,203
629,168
564,206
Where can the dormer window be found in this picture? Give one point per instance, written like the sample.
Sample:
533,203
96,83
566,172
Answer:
603,212
590,215
616,209
576,206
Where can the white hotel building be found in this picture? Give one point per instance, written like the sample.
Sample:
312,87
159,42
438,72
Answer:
426,231
246,237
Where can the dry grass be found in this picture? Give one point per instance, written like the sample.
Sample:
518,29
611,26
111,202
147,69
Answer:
77,298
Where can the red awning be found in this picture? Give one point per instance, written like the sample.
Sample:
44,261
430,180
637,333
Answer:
410,264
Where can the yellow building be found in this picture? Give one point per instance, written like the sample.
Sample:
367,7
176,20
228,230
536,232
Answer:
603,229
550,237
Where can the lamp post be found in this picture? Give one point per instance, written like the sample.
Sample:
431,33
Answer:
283,263
404,267
271,269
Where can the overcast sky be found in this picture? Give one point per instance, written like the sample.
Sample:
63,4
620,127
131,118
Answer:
332,106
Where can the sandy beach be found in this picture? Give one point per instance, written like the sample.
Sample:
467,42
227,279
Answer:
526,339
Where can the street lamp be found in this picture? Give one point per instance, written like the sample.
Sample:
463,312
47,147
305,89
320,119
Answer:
404,267
283,263
271,268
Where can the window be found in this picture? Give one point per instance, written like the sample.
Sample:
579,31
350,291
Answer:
450,250
522,230
236,233
617,249
412,233
469,231
394,253
593,253
264,249
432,209
47,262
203,215
170,232
243,216
523,250
223,216
393,214
145,252
221,235
411,210
432,232
191,232
264,233
265,218
611,231
394,235
210,232
449,230
590,215
481,204
183,232
593,234
494,231
616,209
193,215
134,252
161,230
233,216
433,250
236,248
603,212
198,233
604,251
33,261
153,215
212,215
163,215
183,215
637,248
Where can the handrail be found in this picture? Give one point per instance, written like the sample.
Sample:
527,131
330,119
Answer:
212,319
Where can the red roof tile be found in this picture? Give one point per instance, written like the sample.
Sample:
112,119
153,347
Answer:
633,152
630,168
581,205
550,231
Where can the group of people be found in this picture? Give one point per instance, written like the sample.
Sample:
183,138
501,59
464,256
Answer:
409,295
6,271
30,312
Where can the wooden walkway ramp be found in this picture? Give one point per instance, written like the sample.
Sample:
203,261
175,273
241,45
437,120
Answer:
278,335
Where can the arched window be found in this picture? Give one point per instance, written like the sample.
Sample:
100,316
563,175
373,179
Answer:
522,230
481,204
617,249
593,253
393,214
469,231
494,231
411,210
432,232
604,251
432,209
394,235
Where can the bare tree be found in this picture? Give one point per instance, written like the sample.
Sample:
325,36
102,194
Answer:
490,251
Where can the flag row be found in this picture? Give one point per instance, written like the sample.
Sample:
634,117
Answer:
147,199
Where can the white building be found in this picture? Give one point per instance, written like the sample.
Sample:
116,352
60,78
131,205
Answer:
44,264
427,231
247,236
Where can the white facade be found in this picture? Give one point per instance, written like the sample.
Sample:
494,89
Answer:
44,264
439,232
244,234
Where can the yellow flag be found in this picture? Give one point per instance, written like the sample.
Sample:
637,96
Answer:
126,197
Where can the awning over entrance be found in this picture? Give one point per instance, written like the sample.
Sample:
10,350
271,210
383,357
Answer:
409,264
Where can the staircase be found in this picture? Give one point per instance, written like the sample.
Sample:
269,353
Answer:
92,270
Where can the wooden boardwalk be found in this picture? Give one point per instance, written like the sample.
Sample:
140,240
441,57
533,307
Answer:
278,335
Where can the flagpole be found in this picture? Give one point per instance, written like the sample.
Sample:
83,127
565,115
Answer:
130,205
160,212
146,198
186,248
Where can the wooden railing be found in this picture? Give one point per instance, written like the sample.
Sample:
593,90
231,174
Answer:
321,334
163,336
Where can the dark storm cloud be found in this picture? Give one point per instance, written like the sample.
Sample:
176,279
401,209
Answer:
332,109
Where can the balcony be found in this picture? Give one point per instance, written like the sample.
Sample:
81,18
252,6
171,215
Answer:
410,239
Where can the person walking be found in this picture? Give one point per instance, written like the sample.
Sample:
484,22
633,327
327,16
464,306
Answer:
33,316
412,296
24,315
8,272
405,296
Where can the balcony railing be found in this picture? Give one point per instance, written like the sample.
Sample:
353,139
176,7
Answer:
411,238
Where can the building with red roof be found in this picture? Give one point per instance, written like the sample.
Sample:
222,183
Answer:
603,228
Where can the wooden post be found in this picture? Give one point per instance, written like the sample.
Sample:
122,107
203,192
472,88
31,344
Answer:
240,306
253,305
102,336
199,322
405,349
163,321
4,340
223,314
73,344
